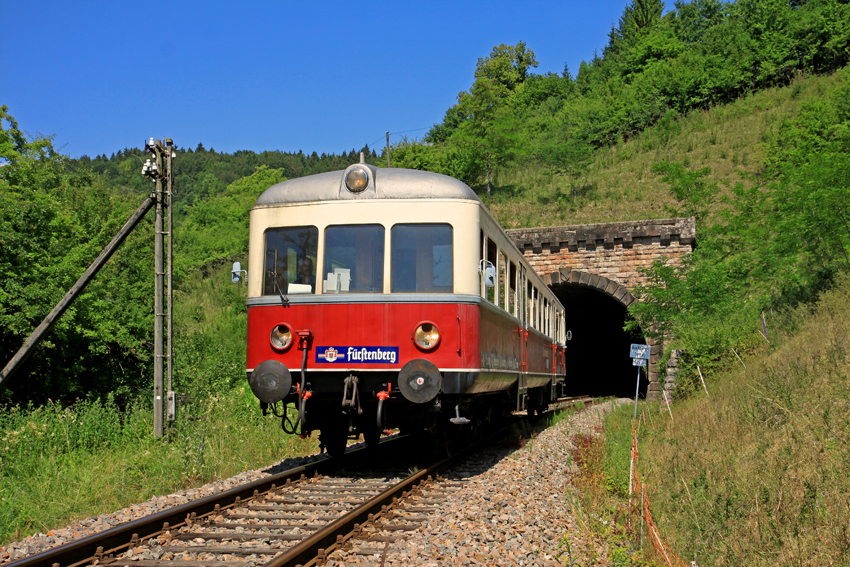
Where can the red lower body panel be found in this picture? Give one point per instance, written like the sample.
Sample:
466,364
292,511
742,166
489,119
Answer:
365,325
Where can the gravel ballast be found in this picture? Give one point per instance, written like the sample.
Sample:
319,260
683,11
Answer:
514,509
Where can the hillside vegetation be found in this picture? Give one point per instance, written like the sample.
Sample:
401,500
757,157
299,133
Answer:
656,67
620,183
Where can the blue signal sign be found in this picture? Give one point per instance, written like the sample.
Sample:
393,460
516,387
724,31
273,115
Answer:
640,351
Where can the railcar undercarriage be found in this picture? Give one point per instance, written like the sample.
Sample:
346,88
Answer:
346,406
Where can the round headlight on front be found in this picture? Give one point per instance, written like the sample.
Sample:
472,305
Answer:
426,336
357,180
281,337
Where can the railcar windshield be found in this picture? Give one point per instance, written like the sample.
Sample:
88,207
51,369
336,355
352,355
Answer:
290,260
354,259
422,258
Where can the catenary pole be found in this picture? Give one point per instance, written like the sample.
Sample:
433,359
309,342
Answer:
170,413
38,334
158,310
388,148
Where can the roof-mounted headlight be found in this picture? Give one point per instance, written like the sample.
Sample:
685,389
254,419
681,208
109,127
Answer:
356,180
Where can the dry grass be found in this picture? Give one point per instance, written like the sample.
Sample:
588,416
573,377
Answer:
759,472
620,184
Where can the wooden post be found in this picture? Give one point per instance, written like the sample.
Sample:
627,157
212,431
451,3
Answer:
702,380
664,393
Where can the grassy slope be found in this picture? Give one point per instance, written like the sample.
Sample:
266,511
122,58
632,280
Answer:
759,472
620,184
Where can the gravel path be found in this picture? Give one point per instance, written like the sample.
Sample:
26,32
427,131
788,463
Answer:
515,509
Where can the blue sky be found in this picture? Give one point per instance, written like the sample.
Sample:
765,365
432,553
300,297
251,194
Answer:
312,76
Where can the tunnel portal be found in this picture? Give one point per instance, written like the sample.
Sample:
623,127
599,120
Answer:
592,269
597,356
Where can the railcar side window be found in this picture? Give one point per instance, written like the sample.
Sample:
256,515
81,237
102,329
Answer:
512,298
503,281
483,288
537,303
491,257
354,259
422,258
290,260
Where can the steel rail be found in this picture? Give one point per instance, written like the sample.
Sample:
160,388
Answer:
110,541
120,536
332,535
326,537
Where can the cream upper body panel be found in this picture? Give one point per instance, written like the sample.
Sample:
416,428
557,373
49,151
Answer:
390,197
462,215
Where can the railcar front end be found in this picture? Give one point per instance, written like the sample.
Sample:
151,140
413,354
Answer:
366,310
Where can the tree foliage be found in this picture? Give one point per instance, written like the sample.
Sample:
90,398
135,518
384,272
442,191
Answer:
507,67
54,221
777,243
203,173
55,218
699,54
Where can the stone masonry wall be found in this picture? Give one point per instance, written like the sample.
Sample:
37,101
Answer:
614,250
608,257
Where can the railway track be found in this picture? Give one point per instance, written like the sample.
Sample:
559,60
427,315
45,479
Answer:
298,517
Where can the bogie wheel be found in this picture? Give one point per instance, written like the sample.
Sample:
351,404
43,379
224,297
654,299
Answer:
372,436
334,441
536,403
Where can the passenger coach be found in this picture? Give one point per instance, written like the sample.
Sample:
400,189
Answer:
391,298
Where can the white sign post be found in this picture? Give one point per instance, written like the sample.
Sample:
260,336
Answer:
640,357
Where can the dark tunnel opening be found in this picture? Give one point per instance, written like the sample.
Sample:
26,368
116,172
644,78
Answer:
597,357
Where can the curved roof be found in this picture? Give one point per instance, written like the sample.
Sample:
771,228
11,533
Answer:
383,184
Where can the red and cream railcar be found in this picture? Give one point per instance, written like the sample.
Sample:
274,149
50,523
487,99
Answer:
384,298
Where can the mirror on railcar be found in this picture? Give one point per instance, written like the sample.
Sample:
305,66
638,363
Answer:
237,272
489,271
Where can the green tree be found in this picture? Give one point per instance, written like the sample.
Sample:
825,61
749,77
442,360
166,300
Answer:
694,18
54,221
507,66
501,73
488,124
637,17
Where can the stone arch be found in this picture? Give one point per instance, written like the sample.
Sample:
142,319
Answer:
619,293
609,287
